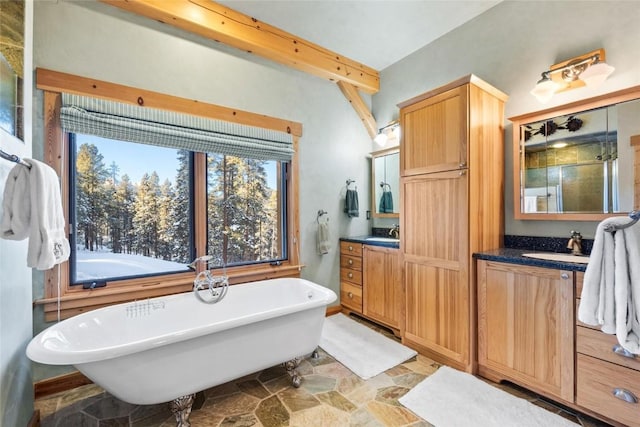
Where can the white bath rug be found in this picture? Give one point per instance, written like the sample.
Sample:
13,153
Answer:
450,398
365,352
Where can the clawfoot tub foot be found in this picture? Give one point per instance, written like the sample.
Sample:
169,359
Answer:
181,408
315,354
291,366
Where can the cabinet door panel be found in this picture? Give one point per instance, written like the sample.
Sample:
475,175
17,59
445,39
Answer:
435,133
383,296
437,309
525,325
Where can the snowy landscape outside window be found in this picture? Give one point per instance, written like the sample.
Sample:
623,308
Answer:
132,211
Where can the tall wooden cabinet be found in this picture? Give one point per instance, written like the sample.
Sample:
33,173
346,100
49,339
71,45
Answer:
452,185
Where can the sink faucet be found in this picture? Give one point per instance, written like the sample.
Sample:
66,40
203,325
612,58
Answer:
575,243
395,232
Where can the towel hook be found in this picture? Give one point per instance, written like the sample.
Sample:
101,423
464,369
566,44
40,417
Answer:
351,181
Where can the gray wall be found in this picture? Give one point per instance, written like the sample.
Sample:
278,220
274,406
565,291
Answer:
509,46
16,391
99,41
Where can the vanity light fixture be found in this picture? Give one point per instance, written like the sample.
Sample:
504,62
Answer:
390,132
588,69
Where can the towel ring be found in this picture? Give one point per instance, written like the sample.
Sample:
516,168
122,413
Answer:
320,214
633,215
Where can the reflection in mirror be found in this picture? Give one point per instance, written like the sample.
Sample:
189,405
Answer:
11,66
385,183
578,165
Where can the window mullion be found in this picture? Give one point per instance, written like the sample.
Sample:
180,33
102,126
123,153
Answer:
200,203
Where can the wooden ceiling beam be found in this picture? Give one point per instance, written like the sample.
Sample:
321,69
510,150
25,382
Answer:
351,93
217,22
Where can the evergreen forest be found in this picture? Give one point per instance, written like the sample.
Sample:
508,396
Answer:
154,219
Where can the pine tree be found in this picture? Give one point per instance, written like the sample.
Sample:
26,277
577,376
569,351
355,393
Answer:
145,219
181,211
165,225
90,195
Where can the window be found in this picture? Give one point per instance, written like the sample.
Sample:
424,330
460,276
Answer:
241,210
131,210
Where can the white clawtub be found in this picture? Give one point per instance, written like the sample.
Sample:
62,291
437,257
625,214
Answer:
168,347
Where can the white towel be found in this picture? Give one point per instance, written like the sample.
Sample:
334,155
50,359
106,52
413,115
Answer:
40,210
16,205
322,238
611,291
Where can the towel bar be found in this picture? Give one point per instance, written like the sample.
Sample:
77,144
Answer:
14,158
634,215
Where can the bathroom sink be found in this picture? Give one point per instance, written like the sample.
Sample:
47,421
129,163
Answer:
383,239
582,259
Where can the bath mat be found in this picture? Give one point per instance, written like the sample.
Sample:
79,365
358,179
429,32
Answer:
365,352
450,398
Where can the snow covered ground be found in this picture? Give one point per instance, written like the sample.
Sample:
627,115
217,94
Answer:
92,265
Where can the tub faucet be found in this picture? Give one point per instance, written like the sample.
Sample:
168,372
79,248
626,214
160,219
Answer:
575,243
395,232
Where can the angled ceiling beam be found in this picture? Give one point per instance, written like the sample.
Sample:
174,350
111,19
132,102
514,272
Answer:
217,22
351,93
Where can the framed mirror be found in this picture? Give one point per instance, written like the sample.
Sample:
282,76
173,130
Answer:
385,183
576,162
11,66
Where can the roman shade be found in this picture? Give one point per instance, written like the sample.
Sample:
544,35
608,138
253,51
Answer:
126,122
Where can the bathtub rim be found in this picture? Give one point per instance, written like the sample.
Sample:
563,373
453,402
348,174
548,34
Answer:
38,352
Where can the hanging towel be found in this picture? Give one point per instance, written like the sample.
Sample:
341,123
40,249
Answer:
611,291
41,211
16,205
322,238
386,202
351,203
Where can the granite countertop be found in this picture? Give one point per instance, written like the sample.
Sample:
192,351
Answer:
514,256
363,240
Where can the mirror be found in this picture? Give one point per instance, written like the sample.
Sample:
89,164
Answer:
11,66
576,162
385,183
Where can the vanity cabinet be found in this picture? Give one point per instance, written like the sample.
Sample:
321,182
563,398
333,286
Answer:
383,297
607,377
370,283
525,327
451,191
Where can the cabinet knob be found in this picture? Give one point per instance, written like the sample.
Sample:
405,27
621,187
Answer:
350,295
350,248
565,276
625,395
621,351
350,262
462,172
463,164
350,275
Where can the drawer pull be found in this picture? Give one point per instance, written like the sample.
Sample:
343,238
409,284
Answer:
350,275
350,295
625,395
621,351
564,276
350,248
350,262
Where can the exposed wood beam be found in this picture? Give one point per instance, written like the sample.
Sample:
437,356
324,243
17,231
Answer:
351,93
217,22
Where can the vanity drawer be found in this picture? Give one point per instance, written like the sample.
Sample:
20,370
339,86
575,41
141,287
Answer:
597,381
600,345
349,275
351,296
352,262
351,248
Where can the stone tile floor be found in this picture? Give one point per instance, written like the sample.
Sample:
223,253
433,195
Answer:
330,396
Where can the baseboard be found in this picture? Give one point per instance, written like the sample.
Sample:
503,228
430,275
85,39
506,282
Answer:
59,383
35,419
333,310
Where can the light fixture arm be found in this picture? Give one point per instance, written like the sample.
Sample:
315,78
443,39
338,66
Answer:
573,69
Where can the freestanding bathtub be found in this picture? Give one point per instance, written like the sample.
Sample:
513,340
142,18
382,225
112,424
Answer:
165,348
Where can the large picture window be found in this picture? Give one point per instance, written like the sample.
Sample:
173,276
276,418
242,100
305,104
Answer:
152,182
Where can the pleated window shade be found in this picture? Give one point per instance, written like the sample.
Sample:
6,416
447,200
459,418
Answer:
125,122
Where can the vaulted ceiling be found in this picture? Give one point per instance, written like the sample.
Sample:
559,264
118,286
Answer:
341,40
